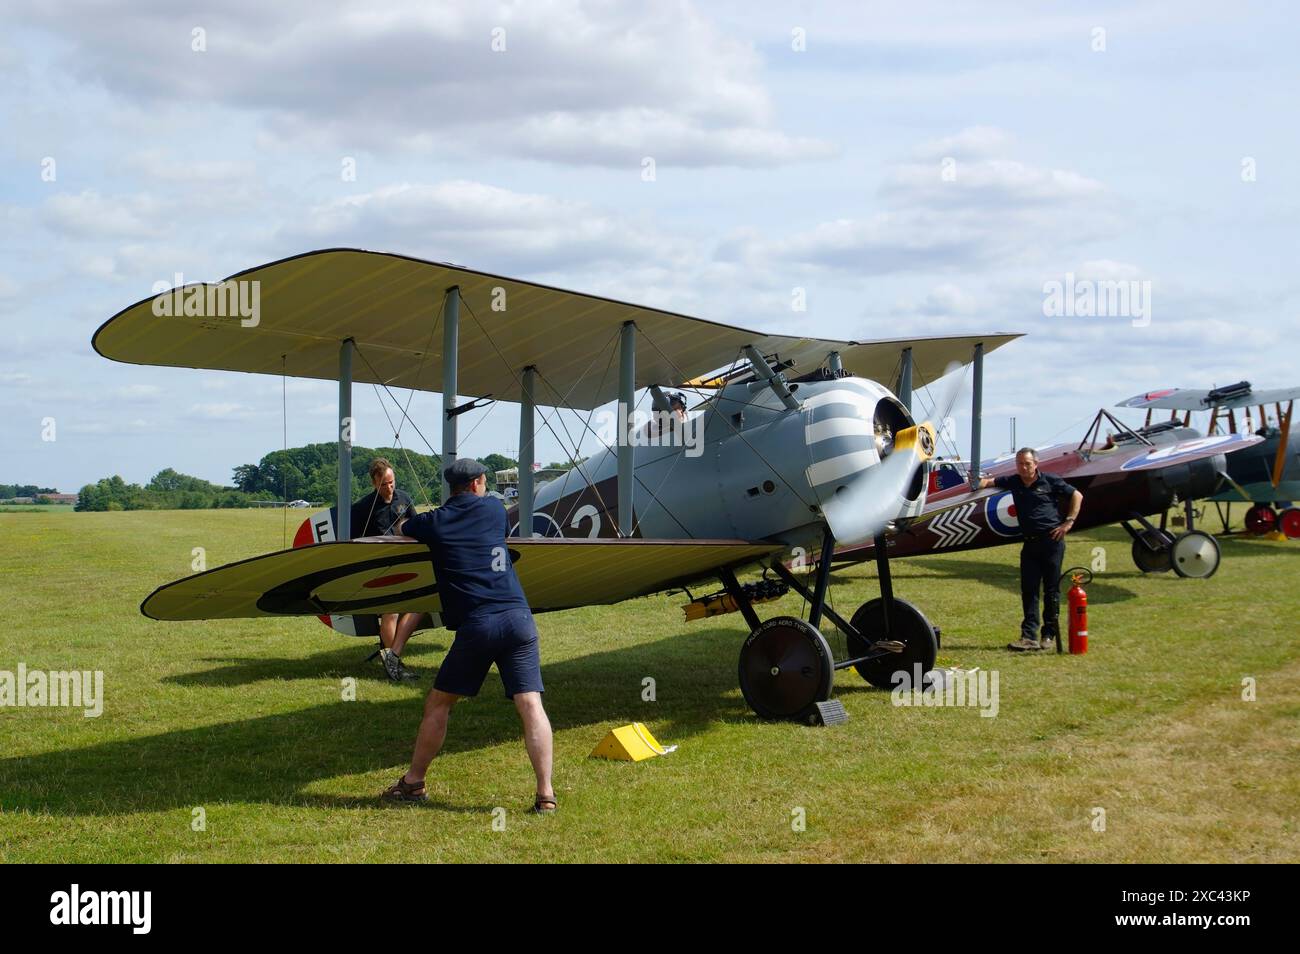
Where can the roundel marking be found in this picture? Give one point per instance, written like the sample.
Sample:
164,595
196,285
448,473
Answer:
1183,450
1000,510
379,582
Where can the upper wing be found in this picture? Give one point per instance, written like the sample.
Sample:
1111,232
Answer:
1162,455
1186,399
394,574
389,305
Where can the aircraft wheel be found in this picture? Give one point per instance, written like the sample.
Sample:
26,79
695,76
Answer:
907,625
785,667
1195,555
1261,518
1288,521
1158,560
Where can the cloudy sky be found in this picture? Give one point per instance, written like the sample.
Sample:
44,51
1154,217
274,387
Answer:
920,168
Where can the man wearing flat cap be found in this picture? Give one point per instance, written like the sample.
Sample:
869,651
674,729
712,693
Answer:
484,603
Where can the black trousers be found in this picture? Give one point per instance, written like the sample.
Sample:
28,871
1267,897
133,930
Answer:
1040,569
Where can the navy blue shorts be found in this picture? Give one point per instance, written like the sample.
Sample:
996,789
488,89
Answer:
508,639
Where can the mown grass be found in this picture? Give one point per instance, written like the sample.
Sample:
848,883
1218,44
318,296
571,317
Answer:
246,720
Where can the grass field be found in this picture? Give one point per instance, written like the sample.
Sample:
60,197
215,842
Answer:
246,721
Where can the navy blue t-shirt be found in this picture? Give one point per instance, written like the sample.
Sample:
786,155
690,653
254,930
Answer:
467,541
1036,505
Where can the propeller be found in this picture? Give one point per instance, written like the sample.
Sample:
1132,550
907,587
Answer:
862,509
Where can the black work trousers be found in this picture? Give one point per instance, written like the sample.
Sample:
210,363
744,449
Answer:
1040,569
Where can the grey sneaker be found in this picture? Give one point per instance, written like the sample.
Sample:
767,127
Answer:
1024,645
1047,642
394,668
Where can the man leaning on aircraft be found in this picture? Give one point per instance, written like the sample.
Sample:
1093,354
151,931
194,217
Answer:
1036,495
485,605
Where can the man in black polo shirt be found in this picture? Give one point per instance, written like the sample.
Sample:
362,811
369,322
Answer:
1037,497
484,603
377,514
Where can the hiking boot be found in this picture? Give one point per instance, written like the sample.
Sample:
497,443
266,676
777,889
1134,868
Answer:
1024,645
1048,641
393,667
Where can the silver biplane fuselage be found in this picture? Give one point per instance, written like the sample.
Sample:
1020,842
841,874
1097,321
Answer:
745,467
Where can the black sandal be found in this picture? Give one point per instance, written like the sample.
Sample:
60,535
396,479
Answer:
404,791
544,805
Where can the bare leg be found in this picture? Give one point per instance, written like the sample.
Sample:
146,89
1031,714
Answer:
404,629
433,730
537,738
387,628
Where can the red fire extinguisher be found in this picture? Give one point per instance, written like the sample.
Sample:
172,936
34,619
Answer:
1078,602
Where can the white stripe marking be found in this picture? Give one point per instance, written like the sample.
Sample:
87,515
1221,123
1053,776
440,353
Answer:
838,427
825,471
839,396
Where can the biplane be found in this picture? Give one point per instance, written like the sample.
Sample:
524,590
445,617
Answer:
1126,477
799,448
1266,476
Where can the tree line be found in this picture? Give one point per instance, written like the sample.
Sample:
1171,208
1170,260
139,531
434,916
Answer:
23,490
299,473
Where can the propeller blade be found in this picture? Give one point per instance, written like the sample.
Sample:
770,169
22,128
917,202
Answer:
866,505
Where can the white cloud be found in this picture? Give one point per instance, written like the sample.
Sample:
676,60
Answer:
971,142
159,165
97,266
221,411
471,222
575,83
138,392
975,213
987,182
88,214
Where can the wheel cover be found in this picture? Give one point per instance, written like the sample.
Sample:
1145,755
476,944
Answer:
785,667
908,625
1261,518
1289,523
1195,555
1152,561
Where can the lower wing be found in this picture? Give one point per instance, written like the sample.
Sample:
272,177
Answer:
395,575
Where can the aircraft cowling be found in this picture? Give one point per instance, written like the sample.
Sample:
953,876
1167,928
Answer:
868,457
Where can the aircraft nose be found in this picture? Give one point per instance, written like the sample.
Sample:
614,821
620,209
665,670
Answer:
865,452
841,435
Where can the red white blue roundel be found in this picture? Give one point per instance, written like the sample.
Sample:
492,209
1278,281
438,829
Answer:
1183,450
1000,511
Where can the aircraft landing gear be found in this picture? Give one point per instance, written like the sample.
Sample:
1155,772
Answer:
1195,555
1261,518
883,647
1151,551
786,666
1288,521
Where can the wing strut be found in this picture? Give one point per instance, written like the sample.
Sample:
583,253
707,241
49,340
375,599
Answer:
905,380
450,369
626,395
976,411
1280,461
527,435
344,425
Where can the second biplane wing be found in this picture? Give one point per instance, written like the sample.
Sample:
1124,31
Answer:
389,306
1190,399
1144,457
390,575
